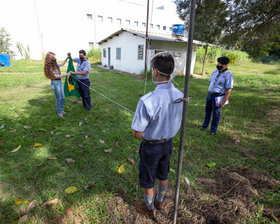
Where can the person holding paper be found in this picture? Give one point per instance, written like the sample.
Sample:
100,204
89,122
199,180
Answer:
221,84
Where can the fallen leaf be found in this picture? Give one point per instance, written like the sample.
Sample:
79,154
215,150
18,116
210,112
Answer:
54,127
103,131
121,169
23,219
69,160
237,141
80,145
18,201
1,160
19,119
107,150
26,127
101,141
86,120
52,132
14,130
1,142
43,117
117,144
2,126
89,186
131,160
211,165
53,201
80,124
70,190
30,206
25,201
53,158
86,136
16,149
37,144
67,136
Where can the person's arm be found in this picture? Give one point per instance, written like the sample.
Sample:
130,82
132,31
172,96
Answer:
79,73
63,63
137,134
60,76
226,97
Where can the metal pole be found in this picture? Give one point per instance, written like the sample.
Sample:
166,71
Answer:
146,45
185,107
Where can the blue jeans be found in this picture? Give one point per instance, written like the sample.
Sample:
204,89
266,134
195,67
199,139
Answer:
59,94
84,91
212,109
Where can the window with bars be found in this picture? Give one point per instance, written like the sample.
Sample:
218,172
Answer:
104,53
140,52
118,53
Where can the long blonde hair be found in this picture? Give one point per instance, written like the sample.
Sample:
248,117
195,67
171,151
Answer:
50,65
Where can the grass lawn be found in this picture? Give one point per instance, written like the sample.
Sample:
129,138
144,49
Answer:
248,136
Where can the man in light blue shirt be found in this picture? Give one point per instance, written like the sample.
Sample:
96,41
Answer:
221,84
157,119
82,72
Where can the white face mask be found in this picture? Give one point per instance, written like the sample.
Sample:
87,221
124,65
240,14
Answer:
167,81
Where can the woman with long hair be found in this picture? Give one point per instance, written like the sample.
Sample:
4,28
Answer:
52,71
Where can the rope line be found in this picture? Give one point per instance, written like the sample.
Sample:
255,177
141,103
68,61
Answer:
105,96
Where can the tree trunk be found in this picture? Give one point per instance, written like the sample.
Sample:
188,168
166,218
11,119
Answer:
204,60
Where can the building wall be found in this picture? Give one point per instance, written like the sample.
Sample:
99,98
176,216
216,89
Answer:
178,51
129,53
69,25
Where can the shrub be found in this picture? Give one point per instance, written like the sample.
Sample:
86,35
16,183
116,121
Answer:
94,54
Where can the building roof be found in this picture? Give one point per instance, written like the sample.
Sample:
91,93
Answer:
153,36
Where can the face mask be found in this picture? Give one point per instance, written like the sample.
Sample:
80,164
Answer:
167,81
219,67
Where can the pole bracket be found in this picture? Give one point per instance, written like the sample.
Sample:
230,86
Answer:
179,100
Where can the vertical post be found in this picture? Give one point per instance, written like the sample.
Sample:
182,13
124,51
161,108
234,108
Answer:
146,45
185,107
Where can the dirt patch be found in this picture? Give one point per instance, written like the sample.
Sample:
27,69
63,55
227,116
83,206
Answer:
274,115
247,153
230,198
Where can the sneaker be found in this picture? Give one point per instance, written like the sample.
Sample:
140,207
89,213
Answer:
60,115
159,205
212,133
63,112
142,209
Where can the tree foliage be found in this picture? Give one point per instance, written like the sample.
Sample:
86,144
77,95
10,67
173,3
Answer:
251,25
5,41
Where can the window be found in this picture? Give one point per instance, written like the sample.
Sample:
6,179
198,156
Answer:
118,53
90,44
99,18
119,21
151,26
158,27
164,27
89,16
135,23
110,19
104,53
170,28
140,52
127,22
143,24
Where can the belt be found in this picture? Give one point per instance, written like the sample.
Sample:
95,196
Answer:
221,94
58,79
156,141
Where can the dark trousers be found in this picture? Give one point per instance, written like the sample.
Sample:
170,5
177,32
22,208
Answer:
84,91
212,109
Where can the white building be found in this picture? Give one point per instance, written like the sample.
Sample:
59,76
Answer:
70,25
125,50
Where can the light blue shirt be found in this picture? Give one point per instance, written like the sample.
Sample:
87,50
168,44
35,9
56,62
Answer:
56,70
157,115
224,81
82,67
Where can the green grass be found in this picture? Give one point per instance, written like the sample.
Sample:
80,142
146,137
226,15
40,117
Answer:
26,98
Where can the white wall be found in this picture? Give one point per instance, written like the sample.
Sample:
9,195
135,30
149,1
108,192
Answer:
129,52
62,25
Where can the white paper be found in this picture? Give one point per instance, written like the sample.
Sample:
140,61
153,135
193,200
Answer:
220,99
